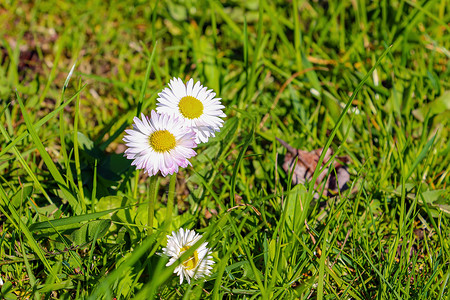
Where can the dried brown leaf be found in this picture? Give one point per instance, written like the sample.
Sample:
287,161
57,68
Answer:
306,162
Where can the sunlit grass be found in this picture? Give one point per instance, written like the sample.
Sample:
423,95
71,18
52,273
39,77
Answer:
369,79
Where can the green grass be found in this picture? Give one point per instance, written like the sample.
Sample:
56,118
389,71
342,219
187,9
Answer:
368,78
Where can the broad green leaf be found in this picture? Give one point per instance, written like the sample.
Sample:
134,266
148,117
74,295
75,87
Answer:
249,272
20,197
87,232
110,203
294,205
438,106
432,196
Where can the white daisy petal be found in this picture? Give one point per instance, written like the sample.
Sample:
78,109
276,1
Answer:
189,87
193,104
197,87
198,265
159,144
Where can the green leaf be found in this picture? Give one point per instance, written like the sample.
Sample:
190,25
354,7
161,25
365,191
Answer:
88,231
250,273
21,195
438,201
432,196
85,142
108,203
293,206
6,291
436,107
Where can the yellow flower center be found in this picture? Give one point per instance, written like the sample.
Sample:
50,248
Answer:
190,107
162,141
192,261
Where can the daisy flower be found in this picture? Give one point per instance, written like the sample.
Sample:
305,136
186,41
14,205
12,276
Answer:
198,265
160,143
195,104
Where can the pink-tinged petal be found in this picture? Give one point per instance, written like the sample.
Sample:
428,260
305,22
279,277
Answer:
143,156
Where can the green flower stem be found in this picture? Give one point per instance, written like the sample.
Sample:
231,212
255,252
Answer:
151,202
170,200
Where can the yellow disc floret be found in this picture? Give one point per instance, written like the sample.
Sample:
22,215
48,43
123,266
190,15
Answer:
192,261
162,141
190,107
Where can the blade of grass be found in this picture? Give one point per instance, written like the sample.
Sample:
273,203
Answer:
421,156
74,219
75,147
37,295
62,140
322,265
145,82
21,227
140,251
48,160
59,46
238,162
318,169
41,122
26,166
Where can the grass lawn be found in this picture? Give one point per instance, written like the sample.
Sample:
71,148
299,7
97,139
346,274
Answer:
368,80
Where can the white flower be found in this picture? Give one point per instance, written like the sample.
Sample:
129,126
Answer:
1,281
160,143
199,264
195,104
